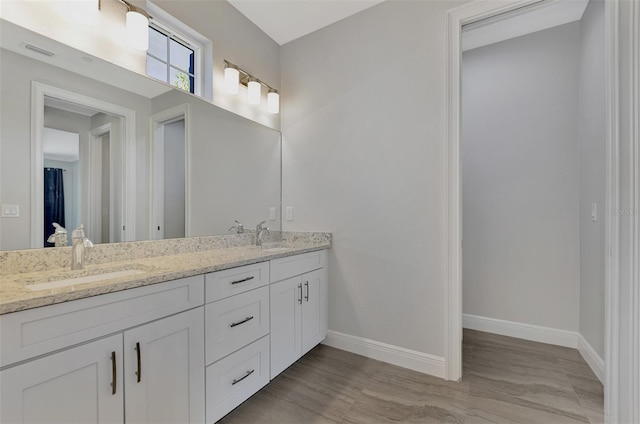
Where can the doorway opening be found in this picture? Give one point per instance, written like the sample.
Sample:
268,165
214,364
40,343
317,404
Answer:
170,184
101,192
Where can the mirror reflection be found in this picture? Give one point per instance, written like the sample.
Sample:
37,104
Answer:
166,164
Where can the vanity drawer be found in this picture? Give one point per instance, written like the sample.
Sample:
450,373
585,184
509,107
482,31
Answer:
234,379
34,332
236,321
291,266
222,284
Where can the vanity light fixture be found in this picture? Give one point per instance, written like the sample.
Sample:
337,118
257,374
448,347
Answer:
231,78
137,26
273,101
234,76
255,92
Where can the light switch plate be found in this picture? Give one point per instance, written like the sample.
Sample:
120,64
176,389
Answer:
289,213
594,212
10,211
272,213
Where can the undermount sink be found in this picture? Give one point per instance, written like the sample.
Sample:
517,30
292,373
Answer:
65,282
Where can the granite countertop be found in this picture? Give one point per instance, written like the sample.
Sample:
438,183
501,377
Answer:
152,269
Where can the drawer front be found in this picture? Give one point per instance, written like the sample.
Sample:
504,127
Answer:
235,322
234,379
34,332
223,284
295,265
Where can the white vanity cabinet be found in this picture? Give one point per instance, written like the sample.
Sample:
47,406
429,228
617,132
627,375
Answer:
164,370
298,307
237,336
154,332
72,386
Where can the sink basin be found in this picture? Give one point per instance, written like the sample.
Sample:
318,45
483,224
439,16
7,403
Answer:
83,280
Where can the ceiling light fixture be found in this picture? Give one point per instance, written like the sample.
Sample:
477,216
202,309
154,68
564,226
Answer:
234,76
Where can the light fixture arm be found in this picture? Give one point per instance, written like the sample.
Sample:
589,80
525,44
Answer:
245,77
130,8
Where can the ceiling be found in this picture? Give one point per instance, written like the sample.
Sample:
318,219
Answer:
286,20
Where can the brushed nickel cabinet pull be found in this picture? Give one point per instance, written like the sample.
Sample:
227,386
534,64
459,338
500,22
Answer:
300,298
234,382
307,286
139,373
114,373
243,280
235,324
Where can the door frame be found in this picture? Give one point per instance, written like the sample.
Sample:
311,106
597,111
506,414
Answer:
157,121
95,182
128,156
481,9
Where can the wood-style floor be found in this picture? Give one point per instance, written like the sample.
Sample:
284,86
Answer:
506,380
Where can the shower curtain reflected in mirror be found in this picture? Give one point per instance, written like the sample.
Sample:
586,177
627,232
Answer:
53,201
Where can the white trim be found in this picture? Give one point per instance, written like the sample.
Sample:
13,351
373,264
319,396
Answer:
156,189
612,220
536,333
95,184
591,357
456,17
128,156
635,202
406,358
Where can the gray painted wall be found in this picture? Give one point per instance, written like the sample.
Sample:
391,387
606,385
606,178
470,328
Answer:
363,157
174,181
592,131
521,179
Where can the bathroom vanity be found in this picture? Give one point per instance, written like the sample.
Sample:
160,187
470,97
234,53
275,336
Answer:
147,346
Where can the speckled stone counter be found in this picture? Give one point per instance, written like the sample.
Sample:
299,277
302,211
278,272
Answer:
158,261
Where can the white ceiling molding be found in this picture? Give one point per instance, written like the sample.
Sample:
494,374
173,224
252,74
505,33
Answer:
287,20
523,21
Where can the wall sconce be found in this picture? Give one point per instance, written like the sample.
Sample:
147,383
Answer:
234,76
137,26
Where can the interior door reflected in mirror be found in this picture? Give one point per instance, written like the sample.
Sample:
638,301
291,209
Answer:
82,179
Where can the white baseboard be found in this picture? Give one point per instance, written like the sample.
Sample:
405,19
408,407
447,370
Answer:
406,358
534,333
591,357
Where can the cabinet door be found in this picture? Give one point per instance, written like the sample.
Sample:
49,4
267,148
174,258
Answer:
71,386
286,345
313,304
164,370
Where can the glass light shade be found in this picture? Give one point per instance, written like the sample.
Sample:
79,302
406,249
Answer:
254,92
273,102
231,80
138,30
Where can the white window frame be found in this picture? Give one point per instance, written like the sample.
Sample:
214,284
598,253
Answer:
202,47
197,53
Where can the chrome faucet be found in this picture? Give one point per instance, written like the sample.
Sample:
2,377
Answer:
79,243
260,230
238,227
59,237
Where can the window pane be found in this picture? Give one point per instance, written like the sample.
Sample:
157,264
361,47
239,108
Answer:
181,56
182,80
156,69
157,44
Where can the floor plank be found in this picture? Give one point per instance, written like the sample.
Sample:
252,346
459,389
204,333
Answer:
506,380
